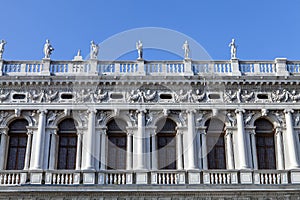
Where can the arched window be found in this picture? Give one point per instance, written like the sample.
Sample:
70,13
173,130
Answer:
166,144
67,144
265,146
17,145
216,158
117,143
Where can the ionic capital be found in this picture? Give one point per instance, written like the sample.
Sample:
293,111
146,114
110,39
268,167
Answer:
239,111
288,111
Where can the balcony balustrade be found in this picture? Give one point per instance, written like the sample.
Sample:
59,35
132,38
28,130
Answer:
157,68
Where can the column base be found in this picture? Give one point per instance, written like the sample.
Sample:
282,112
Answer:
89,177
36,177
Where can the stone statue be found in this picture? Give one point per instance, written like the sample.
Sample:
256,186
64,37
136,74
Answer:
50,96
246,96
149,118
231,119
133,117
2,44
279,117
136,97
94,50
36,97
3,95
51,117
98,97
3,115
186,49
233,47
48,49
139,47
198,96
148,96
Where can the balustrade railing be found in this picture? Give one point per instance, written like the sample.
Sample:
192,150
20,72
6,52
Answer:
164,68
220,177
63,177
167,177
270,177
12,177
114,177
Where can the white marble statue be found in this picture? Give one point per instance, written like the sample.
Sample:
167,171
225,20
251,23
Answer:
233,47
48,49
2,44
94,50
186,49
139,47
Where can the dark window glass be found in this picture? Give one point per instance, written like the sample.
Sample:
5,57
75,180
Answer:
17,145
117,143
265,146
166,144
215,144
67,146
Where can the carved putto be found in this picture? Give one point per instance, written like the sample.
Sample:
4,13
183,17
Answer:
52,115
3,95
141,96
231,118
98,96
133,117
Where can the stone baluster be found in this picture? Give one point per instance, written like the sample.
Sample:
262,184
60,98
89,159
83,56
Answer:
40,135
280,158
241,140
290,140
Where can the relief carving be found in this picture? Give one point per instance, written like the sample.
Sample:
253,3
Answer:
3,95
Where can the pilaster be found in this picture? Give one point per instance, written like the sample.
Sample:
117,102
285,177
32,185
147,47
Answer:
235,67
281,69
45,71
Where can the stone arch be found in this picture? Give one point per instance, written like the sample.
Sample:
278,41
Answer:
13,117
62,116
272,118
220,116
161,116
114,116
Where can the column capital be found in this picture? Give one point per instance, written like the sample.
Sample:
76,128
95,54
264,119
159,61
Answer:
4,130
91,111
228,132
239,111
288,111
42,111
190,111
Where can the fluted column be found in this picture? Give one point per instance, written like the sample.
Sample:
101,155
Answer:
279,153
129,151
229,151
241,140
139,137
90,141
204,149
190,140
290,140
3,145
53,149
103,149
39,145
179,149
78,150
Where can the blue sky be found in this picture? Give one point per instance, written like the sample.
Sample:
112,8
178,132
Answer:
264,29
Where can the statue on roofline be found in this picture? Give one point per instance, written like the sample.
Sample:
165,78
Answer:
48,49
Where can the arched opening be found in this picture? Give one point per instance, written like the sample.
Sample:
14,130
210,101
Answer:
117,144
215,143
67,144
265,144
166,144
17,145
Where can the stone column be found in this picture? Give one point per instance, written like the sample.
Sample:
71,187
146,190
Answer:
290,140
139,137
279,153
190,141
153,151
204,149
241,140
229,151
199,147
90,141
40,135
28,149
253,148
103,149
3,146
179,149
53,149
129,151
78,151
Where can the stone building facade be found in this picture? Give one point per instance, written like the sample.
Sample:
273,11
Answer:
150,129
